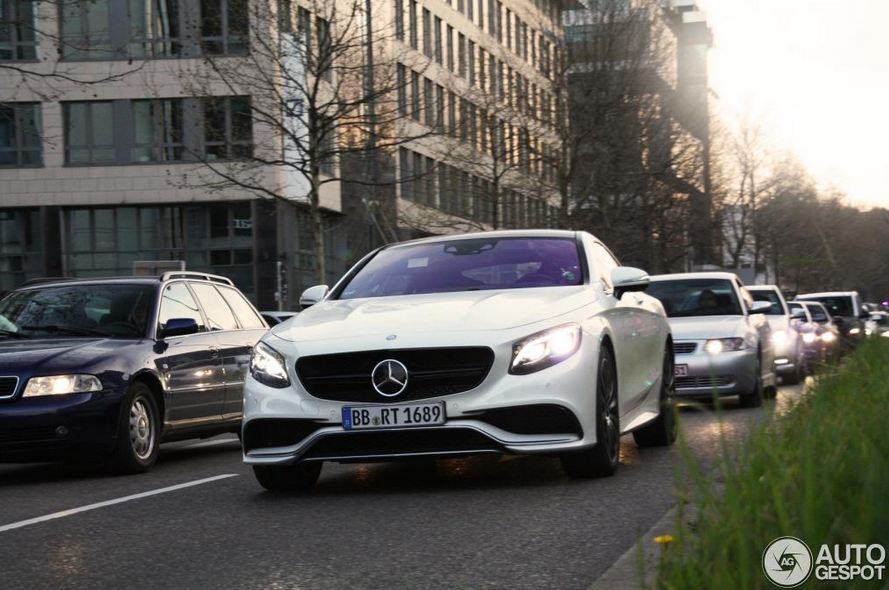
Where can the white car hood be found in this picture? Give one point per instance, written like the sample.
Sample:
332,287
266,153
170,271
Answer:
433,313
703,327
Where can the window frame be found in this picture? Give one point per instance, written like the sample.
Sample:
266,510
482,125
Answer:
18,147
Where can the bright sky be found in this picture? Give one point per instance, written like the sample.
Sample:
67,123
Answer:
817,73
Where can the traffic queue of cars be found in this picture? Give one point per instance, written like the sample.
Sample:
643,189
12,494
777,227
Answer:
504,342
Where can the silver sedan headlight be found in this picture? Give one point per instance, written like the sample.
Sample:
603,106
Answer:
718,345
61,385
544,349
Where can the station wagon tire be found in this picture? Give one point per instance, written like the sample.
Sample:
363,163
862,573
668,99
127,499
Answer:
138,431
602,459
753,399
662,431
288,478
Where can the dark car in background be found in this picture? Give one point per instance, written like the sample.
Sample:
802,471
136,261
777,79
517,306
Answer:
107,369
847,311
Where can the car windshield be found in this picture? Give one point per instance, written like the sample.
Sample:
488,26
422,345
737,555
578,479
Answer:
838,305
103,310
468,265
771,297
696,297
818,314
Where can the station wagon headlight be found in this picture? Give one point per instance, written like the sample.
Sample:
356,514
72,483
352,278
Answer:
61,385
719,345
267,366
544,349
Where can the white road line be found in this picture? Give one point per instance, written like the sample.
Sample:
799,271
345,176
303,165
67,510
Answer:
73,511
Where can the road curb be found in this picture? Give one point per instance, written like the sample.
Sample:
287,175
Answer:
628,572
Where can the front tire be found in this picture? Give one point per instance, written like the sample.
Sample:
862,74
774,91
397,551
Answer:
138,431
753,399
288,478
602,459
662,431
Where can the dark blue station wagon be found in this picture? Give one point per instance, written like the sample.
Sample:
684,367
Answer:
107,369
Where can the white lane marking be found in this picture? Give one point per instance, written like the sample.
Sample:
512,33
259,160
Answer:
73,511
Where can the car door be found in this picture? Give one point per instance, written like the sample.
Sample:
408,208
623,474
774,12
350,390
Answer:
190,364
236,327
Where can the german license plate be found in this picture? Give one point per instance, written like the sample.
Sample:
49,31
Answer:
680,370
369,417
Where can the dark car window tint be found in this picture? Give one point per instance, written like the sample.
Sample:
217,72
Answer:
696,297
242,309
772,298
99,309
468,265
818,313
219,314
836,305
177,303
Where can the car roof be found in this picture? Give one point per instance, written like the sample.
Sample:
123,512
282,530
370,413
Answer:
828,294
695,275
509,233
763,288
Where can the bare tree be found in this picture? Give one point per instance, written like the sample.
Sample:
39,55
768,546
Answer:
323,85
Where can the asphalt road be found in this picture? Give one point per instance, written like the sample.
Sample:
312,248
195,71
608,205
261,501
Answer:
474,523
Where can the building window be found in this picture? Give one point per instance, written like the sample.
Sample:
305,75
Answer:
402,90
471,63
415,96
450,43
228,128
86,29
436,34
405,173
429,102
412,23
89,133
224,26
399,20
17,39
20,126
461,55
157,131
154,28
427,33
20,247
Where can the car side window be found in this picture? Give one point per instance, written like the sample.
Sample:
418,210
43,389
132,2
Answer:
243,310
219,314
604,263
177,302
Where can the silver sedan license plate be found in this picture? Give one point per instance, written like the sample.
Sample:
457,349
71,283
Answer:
369,417
680,370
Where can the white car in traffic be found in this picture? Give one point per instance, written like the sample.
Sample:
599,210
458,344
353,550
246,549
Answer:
497,342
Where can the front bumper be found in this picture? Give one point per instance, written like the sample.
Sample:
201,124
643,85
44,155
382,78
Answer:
723,374
310,429
52,428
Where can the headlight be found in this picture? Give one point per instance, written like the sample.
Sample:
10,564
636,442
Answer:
854,331
61,385
780,337
828,337
544,349
267,366
724,345
809,337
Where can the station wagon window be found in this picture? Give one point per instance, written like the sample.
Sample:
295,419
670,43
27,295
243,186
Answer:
246,315
219,314
178,303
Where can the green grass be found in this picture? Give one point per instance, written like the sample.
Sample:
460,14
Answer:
820,473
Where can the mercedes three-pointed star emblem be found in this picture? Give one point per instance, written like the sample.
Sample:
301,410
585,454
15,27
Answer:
389,378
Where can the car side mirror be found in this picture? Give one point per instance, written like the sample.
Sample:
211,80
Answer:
313,295
760,307
179,327
798,314
627,278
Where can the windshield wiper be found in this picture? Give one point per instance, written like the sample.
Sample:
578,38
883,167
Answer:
71,330
12,334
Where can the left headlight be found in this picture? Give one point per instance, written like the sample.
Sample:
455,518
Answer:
544,349
780,337
267,366
61,385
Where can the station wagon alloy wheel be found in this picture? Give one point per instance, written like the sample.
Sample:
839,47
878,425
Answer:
142,429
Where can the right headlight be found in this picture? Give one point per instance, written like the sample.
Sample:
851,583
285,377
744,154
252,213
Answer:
828,337
268,366
544,349
717,345
809,337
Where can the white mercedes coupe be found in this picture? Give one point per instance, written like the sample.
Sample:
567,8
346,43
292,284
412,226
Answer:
498,342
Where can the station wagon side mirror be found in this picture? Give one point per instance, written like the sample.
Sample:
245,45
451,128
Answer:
760,307
178,327
628,278
313,295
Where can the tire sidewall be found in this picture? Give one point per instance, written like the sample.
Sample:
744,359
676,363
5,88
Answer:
127,459
600,403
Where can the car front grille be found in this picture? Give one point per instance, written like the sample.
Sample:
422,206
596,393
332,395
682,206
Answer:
432,372
706,381
532,419
264,433
382,444
684,347
8,385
